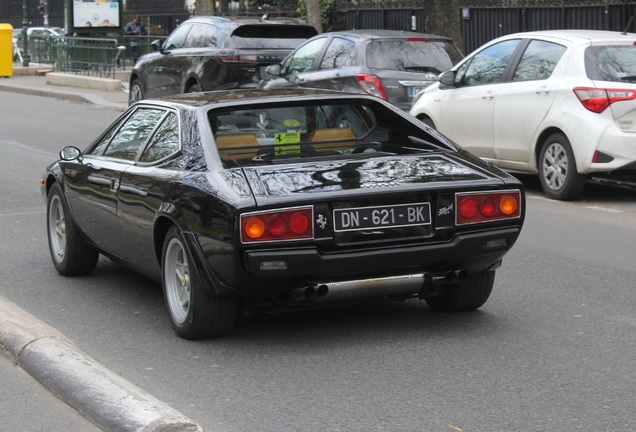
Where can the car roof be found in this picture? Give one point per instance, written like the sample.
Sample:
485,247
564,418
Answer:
580,36
239,21
244,96
378,34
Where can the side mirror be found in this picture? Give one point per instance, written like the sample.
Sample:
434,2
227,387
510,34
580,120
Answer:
448,78
273,70
70,153
156,45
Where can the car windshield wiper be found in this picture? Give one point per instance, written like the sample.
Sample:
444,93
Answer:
629,78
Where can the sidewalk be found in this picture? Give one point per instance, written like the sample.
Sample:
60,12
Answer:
101,397
27,81
104,398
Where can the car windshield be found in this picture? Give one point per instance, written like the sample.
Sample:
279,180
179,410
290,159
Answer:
412,54
270,36
611,63
283,133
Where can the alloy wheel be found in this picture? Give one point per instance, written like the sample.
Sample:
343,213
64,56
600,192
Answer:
177,281
57,229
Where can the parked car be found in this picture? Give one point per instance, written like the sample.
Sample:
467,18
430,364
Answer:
258,200
392,65
215,53
40,39
39,32
561,104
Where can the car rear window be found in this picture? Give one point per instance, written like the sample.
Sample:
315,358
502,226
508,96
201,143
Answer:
412,54
611,63
283,133
271,36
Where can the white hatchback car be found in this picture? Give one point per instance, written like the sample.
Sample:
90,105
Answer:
559,103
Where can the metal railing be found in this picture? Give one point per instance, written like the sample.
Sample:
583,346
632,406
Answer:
88,56
100,57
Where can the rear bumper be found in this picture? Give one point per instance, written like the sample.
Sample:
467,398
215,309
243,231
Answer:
472,252
621,146
617,147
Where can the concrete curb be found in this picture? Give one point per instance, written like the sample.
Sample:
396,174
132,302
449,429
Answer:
104,398
64,95
46,93
87,82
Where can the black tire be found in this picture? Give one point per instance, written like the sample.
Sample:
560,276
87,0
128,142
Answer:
466,295
557,169
135,92
195,88
71,255
194,314
427,121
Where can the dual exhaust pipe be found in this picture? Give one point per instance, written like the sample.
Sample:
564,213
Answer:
403,285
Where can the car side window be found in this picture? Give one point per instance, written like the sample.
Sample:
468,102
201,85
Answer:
178,37
133,133
303,59
338,53
201,36
488,66
538,61
164,142
99,147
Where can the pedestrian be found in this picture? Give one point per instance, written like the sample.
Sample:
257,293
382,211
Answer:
133,30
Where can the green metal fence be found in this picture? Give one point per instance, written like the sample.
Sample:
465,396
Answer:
88,56
100,57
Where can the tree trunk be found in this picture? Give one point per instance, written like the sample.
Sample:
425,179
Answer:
443,17
205,7
224,7
313,14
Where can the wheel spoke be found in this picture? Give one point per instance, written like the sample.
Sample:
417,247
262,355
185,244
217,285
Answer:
183,281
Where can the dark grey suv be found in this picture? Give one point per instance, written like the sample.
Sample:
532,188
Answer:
393,65
215,53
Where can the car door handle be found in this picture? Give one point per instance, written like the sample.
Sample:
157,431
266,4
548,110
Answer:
544,91
100,180
488,95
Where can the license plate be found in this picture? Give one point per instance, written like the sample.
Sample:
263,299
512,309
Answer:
392,216
414,90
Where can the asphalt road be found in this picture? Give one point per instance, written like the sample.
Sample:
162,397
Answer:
553,349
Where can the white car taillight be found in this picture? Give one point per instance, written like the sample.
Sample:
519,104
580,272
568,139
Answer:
598,99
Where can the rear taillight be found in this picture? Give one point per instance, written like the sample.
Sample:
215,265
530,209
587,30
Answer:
277,225
237,59
371,84
477,207
598,99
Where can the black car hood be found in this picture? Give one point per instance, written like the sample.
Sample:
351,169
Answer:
341,178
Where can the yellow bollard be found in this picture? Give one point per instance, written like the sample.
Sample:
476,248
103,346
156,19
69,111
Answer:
6,50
